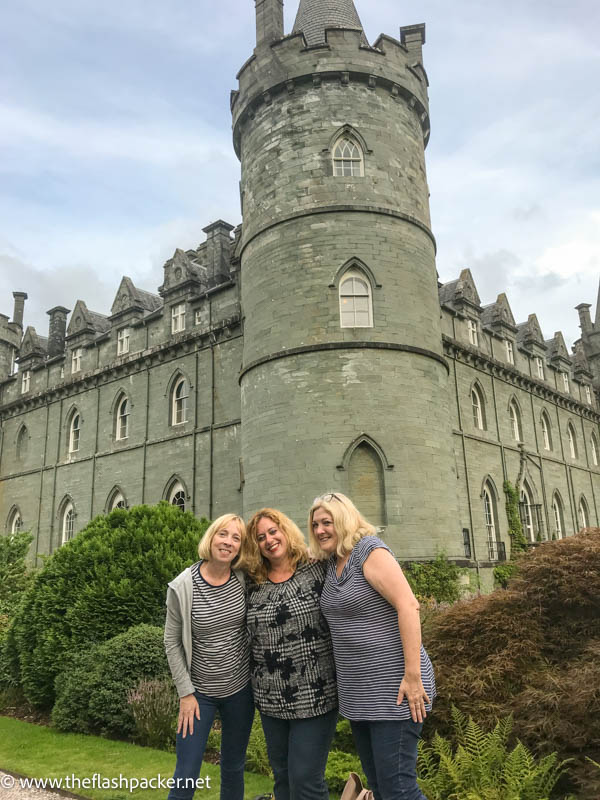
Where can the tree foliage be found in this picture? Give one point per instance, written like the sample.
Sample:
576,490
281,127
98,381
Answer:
438,579
14,573
531,650
113,575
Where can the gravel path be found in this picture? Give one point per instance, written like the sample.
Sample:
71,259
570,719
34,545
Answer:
10,789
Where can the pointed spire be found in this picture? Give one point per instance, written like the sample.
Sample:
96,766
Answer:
315,16
597,325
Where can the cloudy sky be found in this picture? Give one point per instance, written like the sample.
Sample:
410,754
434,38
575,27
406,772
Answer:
115,143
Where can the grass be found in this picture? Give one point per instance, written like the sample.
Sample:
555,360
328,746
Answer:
40,752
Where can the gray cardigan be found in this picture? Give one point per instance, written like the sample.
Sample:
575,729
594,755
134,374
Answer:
178,629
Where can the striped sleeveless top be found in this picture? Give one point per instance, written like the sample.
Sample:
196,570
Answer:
220,647
367,646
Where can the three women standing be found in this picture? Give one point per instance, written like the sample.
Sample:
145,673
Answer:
385,678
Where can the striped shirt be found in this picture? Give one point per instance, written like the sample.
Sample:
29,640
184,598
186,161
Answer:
368,652
220,651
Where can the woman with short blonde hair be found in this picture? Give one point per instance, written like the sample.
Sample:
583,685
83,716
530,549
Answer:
206,641
293,675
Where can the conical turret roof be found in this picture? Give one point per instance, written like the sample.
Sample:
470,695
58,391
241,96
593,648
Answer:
314,16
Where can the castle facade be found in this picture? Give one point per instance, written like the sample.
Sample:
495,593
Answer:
311,348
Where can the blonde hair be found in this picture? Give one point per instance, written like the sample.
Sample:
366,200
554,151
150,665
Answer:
296,545
221,522
349,523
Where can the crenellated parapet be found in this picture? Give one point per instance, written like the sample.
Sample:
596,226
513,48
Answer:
289,65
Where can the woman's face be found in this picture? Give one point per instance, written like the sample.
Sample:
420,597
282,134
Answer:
270,539
324,531
226,543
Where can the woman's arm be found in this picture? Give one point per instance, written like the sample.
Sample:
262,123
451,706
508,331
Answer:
383,572
188,705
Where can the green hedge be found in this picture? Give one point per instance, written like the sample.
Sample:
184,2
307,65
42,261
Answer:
113,575
91,693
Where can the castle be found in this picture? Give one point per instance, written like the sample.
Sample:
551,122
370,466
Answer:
311,348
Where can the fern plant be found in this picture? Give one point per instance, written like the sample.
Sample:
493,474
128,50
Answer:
482,767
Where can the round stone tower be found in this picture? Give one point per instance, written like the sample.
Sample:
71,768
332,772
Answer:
344,385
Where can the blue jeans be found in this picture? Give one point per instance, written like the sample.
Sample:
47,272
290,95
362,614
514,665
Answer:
388,754
298,750
237,714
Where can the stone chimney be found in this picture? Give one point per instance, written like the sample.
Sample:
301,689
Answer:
20,298
57,330
269,21
218,251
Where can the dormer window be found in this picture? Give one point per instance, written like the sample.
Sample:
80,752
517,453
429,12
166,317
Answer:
539,366
565,377
25,381
473,332
510,352
123,341
76,360
178,318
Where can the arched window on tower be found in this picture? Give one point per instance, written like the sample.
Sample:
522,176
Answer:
122,418
515,421
348,159
559,517
583,513
546,431
22,443
572,436
15,521
179,400
356,303
478,407
366,483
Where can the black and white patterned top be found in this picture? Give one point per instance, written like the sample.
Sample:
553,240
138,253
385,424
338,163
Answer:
366,642
291,662
220,650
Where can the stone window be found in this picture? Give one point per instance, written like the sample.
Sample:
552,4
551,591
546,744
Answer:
539,367
348,160
526,513
559,519
178,318
67,523
510,351
546,431
588,393
478,407
473,332
583,514
356,303
22,443
74,432
122,419
177,496
515,421
572,440
76,360
116,500
594,446
25,381
179,400
490,513
123,341
15,521
565,377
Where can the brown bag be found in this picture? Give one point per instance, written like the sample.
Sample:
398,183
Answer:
354,790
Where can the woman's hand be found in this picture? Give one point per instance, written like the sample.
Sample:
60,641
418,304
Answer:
188,710
413,690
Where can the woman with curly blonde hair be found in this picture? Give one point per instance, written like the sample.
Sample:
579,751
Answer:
385,678
292,669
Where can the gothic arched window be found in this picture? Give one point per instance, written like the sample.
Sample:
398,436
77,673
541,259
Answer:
356,304
15,521
527,513
594,446
67,522
177,495
546,431
572,440
490,514
116,500
559,518
582,513
366,483
515,421
122,418
478,406
348,159
74,431
179,398
22,443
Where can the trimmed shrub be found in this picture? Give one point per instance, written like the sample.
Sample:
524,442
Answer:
14,573
114,574
531,650
91,693
155,707
439,579
343,739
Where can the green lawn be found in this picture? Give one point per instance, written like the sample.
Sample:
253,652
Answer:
40,752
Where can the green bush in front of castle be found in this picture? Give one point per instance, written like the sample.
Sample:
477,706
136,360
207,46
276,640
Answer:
111,577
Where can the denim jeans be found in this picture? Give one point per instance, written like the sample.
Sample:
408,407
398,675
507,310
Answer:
237,714
388,754
298,750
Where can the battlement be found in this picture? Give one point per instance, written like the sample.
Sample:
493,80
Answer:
288,63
